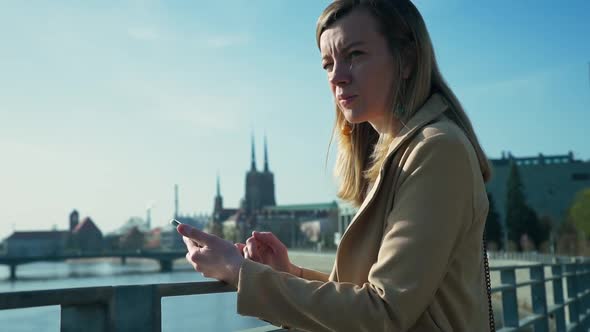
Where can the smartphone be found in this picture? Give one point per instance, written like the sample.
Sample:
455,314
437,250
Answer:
175,222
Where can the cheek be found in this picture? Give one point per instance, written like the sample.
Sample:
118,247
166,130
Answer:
376,97
332,88
382,87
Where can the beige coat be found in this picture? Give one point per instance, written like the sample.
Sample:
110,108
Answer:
412,257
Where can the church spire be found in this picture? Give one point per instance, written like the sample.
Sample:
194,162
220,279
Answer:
218,188
265,155
218,202
253,155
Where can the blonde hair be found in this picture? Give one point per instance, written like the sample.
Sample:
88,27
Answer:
408,40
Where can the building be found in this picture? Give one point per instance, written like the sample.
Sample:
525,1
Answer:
550,182
259,191
152,239
83,236
346,212
86,236
260,187
36,243
74,219
133,239
300,225
219,212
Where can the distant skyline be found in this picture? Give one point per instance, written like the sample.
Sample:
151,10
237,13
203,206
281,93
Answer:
105,106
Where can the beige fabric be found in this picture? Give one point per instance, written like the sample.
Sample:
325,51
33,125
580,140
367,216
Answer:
411,259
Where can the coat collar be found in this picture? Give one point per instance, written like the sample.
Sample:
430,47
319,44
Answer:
432,109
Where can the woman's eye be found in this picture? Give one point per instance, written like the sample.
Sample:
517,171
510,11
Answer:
355,53
327,66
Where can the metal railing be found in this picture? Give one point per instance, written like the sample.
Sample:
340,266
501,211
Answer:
575,276
116,308
138,307
532,256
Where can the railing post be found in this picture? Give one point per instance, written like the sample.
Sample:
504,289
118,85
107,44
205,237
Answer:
12,272
90,318
556,271
135,308
582,268
572,291
539,297
509,301
166,265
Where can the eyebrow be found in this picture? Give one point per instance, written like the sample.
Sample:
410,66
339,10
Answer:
347,47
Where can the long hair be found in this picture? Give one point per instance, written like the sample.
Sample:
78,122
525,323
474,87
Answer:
361,154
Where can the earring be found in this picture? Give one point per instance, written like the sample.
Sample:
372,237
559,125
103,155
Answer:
346,129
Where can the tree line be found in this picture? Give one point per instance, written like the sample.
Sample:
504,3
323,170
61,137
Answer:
526,230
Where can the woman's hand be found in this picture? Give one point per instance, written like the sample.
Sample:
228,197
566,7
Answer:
266,248
212,256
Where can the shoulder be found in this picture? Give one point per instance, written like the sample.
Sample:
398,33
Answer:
443,141
442,155
443,131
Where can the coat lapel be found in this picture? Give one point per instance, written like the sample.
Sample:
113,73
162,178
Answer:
432,109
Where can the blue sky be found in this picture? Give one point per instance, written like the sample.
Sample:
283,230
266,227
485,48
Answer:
105,105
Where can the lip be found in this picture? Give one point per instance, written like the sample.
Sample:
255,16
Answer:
346,100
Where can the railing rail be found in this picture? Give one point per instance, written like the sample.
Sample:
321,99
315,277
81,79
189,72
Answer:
534,257
138,307
577,302
116,308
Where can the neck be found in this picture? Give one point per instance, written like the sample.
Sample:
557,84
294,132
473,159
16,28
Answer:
389,127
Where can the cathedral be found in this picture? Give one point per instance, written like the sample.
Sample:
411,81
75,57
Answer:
294,225
259,191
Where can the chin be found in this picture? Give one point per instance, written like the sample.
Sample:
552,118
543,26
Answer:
354,117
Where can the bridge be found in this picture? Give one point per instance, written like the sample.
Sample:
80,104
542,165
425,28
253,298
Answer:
164,257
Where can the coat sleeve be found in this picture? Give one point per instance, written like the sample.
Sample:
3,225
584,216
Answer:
310,274
432,207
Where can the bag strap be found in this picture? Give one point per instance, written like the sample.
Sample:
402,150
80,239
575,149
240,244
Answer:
488,284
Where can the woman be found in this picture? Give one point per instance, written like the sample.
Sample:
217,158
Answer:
412,257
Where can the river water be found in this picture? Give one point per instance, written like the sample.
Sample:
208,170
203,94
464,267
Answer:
215,312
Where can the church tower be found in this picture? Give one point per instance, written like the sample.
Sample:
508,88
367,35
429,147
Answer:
74,219
253,188
218,205
260,188
268,180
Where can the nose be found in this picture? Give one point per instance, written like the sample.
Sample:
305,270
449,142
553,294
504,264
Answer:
340,75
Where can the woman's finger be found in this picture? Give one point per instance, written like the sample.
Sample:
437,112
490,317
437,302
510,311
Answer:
189,243
199,237
251,252
269,239
240,247
252,247
247,253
